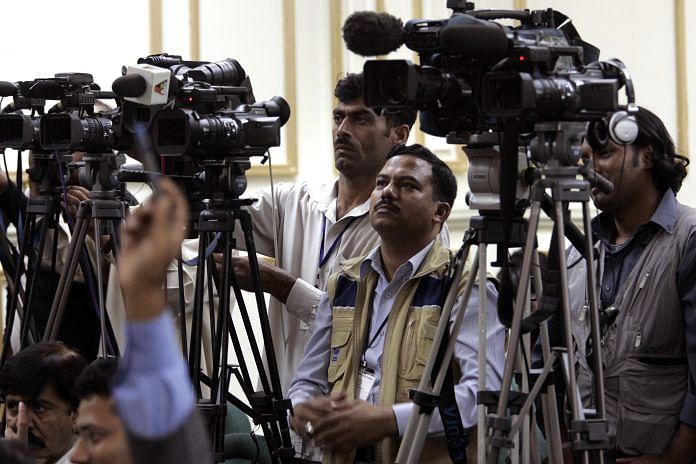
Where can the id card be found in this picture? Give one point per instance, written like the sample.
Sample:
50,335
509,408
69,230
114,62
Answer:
366,380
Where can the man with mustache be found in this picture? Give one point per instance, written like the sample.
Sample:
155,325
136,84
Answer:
101,434
375,326
646,270
36,385
319,225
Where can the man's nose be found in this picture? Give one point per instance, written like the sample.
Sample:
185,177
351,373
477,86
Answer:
80,455
389,191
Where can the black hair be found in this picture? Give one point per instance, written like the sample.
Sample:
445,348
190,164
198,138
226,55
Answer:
95,379
40,365
669,167
443,180
350,88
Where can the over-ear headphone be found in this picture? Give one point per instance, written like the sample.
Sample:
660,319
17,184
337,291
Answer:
620,126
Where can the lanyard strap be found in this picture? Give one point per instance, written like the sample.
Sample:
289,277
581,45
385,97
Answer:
324,258
368,344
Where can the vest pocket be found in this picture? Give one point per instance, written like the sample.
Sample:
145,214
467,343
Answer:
650,399
340,336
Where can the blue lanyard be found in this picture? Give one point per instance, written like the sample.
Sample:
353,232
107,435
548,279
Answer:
324,258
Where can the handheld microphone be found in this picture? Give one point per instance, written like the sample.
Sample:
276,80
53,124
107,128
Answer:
145,84
370,34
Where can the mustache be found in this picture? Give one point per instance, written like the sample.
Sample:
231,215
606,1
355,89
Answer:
344,141
35,441
386,204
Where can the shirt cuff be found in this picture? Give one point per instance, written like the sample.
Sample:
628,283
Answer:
688,410
303,300
402,411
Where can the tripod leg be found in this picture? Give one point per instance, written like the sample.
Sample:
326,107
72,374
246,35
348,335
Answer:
516,327
33,267
182,306
60,299
196,323
417,428
482,338
100,287
24,248
550,408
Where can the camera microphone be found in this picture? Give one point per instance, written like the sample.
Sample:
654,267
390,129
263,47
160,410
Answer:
370,34
146,84
130,85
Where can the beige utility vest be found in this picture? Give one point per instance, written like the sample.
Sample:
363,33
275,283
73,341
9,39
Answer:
410,332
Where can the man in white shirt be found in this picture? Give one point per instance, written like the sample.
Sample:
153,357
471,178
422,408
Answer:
320,225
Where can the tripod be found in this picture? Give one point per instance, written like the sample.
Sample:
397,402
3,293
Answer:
588,428
43,211
216,226
104,209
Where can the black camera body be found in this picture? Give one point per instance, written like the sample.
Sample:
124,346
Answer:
474,73
20,131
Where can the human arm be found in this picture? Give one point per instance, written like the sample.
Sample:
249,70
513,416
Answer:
152,392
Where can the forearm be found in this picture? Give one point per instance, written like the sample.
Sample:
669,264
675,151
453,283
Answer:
277,282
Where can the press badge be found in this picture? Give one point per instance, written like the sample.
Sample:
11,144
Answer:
366,380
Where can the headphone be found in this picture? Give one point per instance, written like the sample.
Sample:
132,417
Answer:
620,126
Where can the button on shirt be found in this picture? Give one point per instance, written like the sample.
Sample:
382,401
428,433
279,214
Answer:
311,379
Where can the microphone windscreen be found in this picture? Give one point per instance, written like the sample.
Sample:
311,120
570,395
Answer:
474,38
48,89
7,89
370,34
130,85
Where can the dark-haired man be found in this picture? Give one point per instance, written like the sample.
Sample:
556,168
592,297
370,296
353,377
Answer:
101,436
382,309
319,225
646,273
36,386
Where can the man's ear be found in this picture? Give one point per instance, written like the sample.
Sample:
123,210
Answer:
399,134
646,155
442,212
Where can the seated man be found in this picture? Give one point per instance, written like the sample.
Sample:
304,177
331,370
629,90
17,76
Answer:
36,386
374,328
101,436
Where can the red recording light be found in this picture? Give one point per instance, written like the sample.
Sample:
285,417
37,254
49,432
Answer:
521,58
190,99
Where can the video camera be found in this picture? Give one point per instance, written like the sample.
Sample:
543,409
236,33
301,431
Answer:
201,110
478,79
475,72
18,130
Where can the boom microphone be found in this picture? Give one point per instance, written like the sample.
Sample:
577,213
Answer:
370,34
146,84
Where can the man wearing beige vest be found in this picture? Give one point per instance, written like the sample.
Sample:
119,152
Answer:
374,328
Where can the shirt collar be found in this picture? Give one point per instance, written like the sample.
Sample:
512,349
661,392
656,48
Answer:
373,261
326,196
664,216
